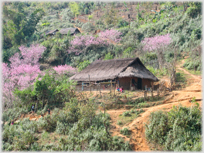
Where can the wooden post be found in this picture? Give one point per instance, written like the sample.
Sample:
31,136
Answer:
115,88
151,91
82,88
145,94
130,83
89,84
100,89
158,92
111,85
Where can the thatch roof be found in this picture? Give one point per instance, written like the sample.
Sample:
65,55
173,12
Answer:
51,32
116,68
66,30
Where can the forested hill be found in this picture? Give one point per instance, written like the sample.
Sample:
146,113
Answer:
109,30
44,43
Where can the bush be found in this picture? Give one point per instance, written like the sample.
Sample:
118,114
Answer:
177,130
108,56
122,23
88,27
83,65
125,131
90,17
193,65
119,123
127,113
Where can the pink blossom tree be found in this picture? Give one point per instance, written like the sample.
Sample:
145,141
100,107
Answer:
158,44
111,35
21,73
80,43
64,69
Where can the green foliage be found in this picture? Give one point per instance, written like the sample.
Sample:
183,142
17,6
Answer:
74,8
126,113
119,123
193,65
150,56
45,24
15,25
13,113
177,130
110,17
108,56
125,131
90,17
122,23
128,52
157,72
19,137
49,89
83,65
88,27
195,9
180,77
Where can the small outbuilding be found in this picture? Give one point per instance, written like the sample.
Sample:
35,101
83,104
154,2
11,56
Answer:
126,73
50,33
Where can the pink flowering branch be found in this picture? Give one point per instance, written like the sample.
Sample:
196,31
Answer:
157,42
23,70
80,43
112,34
63,69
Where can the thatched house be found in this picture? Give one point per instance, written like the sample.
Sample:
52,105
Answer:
71,30
49,33
129,72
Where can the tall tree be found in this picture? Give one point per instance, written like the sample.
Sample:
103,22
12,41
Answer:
17,24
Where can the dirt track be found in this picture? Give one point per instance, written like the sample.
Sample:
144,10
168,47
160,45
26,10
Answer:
182,97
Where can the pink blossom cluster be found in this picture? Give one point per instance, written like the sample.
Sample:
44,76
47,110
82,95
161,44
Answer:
22,71
81,42
30,55
157,42
111,35
63,69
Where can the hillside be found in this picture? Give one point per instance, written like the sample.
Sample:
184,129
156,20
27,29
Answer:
39,59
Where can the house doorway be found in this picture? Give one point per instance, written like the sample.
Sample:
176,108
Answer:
139,83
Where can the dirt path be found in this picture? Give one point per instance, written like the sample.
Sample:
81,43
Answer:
196,78
137,126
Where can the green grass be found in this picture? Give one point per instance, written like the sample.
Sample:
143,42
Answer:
132,114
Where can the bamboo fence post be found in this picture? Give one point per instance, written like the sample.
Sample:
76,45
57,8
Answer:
89,84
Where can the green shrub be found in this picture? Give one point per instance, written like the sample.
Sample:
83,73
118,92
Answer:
90,17
125,131
88,27
180,77
83,65
122,23
108,56
127,113
177,130
119,123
